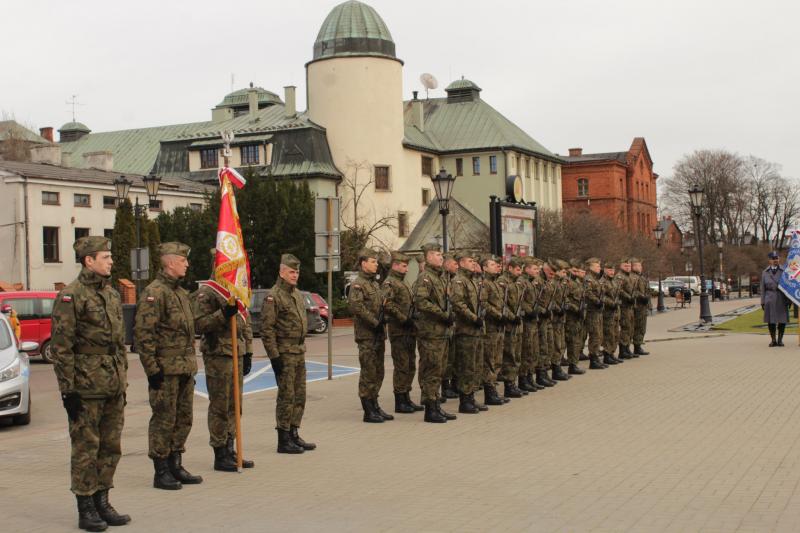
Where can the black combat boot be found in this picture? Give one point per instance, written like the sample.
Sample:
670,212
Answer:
781,330
449,389
106,511
476,403
559,374
595,363
532,382
548,378
465,405
180,473
232,452
510,390
638,350
383,414
400,405
88,518
163,478
608,360
286,444
445,414
295,433
414,406
371,416
540,378
432,413
612,356
524,386
490,396
575,370
583,357
223,460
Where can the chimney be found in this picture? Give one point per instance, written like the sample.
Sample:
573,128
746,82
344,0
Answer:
103,160
46,153
252,99
290,105
417,117
47,133
575,152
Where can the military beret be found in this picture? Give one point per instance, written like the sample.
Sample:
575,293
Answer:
290,261
592,260
538,262
634,260
562,265
576,263
91,244
431,247
463,254
624,260
485,258
609,264
367,253
528,260
516,262
773,255
174,248
449,256
400,257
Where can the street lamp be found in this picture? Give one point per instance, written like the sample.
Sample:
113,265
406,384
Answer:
720,243
658,233
443,185
122,185
696,198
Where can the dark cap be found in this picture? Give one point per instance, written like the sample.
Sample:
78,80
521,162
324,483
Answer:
174,248
290,261
773,255
91,244
400,257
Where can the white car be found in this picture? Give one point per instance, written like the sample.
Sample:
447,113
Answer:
15,370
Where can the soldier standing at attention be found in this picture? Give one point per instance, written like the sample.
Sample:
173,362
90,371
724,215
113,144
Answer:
627,301
399,306
641,307
164,338
283,333
468,328
432,322
494,330
594,313
448,367
610,287
512,344
530,349
574,307
367,305
545,326
559,311
212,320
90,362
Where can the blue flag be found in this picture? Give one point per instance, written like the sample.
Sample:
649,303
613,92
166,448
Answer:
790,280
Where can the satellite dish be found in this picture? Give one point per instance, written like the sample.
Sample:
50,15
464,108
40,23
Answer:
429,82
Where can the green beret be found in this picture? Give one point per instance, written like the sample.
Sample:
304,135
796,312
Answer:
624,260
400,257
592,260
431,247
290,261
516,262
91,244
367,253
609,264
464,255
449,256
174,248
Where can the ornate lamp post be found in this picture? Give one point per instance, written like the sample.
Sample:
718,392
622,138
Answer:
696,198
658,233
123,187
443,185
720,243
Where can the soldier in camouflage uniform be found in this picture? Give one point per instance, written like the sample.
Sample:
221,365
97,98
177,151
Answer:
212,319
90,362
627,301
530,325
494,330
575,309
399,308
512,310
641,307
164,338
283,333
433,320
558,321
468,330
545,326
367,304
610,287
449,378
594,313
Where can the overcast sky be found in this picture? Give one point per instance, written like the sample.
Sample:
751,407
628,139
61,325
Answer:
683,74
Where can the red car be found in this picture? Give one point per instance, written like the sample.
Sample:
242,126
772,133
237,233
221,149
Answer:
320,302
33,310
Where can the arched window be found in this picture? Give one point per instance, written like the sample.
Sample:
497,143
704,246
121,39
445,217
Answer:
583,187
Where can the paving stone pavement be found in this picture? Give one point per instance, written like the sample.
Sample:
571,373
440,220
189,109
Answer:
702,435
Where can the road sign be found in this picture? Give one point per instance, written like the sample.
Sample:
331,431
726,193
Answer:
321,244
321,264
321,215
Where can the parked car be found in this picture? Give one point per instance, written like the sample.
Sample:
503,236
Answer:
323,311
257,302
33,310
654,288
15,390
693,282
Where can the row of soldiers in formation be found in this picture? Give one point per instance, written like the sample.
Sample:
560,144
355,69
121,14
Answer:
90,362
477,321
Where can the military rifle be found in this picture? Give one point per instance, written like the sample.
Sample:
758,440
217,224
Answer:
582,306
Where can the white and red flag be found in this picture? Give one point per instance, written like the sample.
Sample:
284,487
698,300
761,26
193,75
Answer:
233,176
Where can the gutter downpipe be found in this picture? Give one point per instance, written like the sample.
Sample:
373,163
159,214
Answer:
27,235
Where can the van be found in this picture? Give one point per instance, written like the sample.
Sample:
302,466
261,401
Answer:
33,310
693,282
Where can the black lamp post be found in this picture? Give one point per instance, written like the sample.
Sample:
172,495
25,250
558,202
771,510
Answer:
696,198
658,232
443,185
123,186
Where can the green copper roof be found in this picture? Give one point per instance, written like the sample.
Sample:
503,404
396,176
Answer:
238,98
462,84
353,29
74,126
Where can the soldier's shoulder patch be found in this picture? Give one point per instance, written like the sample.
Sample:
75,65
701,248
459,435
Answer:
66,298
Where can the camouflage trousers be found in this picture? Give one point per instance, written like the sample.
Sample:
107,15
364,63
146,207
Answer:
291,402
172,416
468,363
404,359
370,357
610,330
546,343
219,380
573,336
448,365
96,448
626,324
559,341
512,353
530,347
594,325
432,352
492,355
640,313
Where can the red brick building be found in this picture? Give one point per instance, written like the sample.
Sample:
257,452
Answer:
618,185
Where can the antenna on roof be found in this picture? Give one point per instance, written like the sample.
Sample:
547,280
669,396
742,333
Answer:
73,102
233,81
428,81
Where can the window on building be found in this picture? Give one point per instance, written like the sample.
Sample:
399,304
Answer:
109,202
528,168
208,158
196,207
82,200
583,187
426,196
492,164
156,205
402,224
49,198
382,178
427,166
536,174
459,166
80,232
476,166
249,154
50,244
108,233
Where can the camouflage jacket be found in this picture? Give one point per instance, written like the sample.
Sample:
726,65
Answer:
284,322
562,287
626,289
610,288
430,299
493,295
398,298
209,321
527,300
641,289
164,330
465,304
512,297
574,296
594,293
365,301
547,289
88,339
